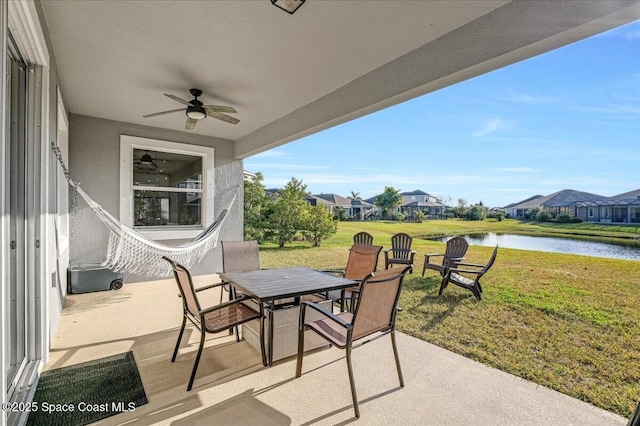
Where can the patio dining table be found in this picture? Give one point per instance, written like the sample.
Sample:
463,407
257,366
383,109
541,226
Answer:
280,288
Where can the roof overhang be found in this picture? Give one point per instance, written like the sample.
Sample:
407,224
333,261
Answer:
289,76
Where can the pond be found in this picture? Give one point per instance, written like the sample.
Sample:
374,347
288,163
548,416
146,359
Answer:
555,244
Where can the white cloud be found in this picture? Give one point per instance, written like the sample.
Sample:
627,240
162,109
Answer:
632,35
532,99
493,125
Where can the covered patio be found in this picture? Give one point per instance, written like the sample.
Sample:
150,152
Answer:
90,77
233,388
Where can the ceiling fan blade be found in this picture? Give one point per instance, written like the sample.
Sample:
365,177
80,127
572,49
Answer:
162,113
223,117
190,124
175,98
220,108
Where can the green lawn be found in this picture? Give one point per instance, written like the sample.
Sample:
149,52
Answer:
568,322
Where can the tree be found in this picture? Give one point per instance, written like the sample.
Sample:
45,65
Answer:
461,210
476,212
339,213
318,224
287,212
388,200
355,195
419,215
255,203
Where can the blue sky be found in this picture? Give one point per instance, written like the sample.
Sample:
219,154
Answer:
567,119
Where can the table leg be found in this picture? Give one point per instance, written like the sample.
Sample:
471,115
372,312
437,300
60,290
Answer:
270,331
263,351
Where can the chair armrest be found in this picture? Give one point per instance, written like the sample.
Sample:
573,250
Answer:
433,254
468,271
224,305
330,315
208,286
470,264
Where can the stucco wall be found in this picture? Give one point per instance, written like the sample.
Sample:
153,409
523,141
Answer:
94,157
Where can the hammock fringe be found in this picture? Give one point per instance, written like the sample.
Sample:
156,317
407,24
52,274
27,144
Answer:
132,252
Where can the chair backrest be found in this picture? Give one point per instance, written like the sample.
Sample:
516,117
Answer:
456,248
363,238
493,259
376,308
185,285
363,260
401,245
240,256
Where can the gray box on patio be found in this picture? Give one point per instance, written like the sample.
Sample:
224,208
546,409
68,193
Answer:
92,277
285,331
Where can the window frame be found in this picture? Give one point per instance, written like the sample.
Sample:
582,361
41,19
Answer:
127,199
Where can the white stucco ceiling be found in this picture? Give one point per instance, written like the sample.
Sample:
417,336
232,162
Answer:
292,75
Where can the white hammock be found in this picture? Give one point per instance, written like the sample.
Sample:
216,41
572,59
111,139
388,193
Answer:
130,251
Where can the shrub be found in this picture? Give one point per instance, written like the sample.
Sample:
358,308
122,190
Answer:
339,213
318,225
476,212
563,218
543,216
576,220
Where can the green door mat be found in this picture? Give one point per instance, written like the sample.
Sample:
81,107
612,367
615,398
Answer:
85,393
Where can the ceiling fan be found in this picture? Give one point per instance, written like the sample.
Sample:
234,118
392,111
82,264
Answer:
196,110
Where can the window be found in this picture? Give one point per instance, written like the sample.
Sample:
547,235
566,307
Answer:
166,187
590,211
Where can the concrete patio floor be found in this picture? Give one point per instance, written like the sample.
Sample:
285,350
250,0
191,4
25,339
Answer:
233,388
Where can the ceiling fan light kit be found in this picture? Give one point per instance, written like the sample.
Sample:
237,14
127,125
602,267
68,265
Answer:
289,6
146,162
197,113
196,110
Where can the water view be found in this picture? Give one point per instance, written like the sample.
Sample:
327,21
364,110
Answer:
555,244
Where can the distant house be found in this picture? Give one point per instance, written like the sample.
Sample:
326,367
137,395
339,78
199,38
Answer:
414,201
623,208
556,203
354,209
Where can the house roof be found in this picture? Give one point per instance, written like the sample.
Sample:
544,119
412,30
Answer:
414,192
562,198
423,204
334,199
361,203
626,195
631,198
513,205
319,200
289,76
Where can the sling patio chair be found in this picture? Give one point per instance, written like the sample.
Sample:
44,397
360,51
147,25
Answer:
363,238
400,252
456,276
374,316
363,260
239,256
453,254
214,319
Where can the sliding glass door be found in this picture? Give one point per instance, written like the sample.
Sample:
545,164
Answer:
16,137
